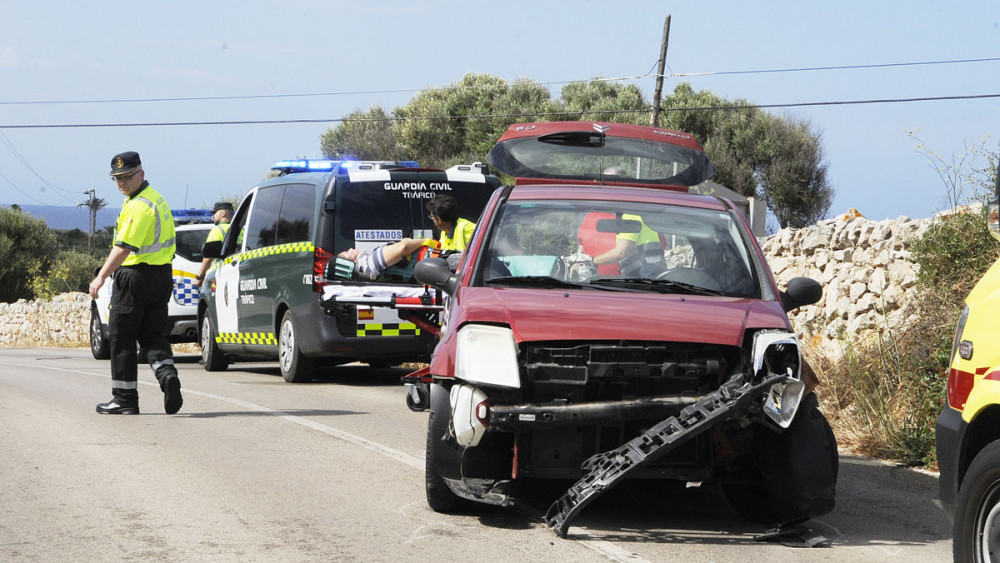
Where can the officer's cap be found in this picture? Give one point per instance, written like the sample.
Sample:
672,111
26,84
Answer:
222,205
124,163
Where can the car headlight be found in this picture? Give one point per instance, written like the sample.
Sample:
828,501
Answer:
488,355
778,353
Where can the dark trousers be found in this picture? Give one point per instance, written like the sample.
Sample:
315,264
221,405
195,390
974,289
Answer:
139,301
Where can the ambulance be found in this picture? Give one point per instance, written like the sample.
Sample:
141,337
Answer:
968,428
266,296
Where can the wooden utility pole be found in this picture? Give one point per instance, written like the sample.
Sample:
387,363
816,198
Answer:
654,119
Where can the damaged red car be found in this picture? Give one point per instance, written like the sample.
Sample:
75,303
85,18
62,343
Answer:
607,324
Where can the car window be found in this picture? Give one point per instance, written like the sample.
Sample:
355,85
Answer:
263,226
189,243
297,212
671,245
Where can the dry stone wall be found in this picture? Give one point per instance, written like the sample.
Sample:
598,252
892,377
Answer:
866,271
864,266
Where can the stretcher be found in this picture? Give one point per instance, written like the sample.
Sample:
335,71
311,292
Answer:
418,305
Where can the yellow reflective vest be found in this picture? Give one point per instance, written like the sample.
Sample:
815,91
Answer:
461,237
146,227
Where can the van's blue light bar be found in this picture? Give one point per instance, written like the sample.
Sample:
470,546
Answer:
324,165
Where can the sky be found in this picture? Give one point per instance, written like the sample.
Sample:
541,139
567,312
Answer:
83,81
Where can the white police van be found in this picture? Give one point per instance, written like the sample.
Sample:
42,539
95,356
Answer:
266,296
192,226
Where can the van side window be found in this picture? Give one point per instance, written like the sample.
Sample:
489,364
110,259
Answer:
263,225
234,242
297,212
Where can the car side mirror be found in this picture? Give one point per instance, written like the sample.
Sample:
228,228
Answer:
435,272
799,292
212,249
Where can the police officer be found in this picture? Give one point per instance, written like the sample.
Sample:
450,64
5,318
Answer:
455,231
222,214
143,282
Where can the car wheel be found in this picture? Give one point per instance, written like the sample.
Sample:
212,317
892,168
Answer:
295,367
977,512
439,496
100,348
211,356
790,475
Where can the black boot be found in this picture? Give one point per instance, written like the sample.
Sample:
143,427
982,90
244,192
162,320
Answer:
112,407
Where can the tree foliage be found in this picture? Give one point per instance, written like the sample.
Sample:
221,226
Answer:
776,159
26,249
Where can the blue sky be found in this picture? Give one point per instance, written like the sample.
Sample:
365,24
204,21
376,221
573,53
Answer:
61,51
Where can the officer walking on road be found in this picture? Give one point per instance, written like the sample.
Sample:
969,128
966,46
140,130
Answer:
222,215
143,282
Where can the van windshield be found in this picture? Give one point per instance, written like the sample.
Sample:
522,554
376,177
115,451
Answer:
620,246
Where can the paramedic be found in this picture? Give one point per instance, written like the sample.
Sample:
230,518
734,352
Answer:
141,258
455,231
222,214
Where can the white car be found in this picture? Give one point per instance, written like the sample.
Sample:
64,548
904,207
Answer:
182,316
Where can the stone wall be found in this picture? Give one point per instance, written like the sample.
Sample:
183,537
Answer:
866,272
863,265
63,322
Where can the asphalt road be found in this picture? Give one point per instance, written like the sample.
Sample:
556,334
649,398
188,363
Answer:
256,469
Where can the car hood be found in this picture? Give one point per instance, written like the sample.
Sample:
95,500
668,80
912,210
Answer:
554,315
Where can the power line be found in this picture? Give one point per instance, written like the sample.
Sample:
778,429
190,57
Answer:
841,67
414,90
503,116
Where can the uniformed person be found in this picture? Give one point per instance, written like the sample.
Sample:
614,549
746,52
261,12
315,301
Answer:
638,254
455,231
143,282
222,214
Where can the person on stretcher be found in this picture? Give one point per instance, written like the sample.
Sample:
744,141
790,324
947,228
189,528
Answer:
371,264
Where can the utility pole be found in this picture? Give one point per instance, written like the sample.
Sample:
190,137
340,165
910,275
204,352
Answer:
93,205
654,119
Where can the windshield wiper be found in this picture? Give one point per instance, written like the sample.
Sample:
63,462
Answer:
662,286
535,281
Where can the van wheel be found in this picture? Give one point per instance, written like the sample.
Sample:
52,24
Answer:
977,512
295,367
439,496
100,348
211,356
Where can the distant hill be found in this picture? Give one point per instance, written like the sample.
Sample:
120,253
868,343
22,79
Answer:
70,217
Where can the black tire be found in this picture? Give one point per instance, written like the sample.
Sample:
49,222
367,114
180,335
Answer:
439,496
977,511
212,358
789,476
100,348
295,367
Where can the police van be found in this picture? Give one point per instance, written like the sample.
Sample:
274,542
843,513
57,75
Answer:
192,227
266,296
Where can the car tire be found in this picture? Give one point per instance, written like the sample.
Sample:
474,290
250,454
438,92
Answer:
295,366
790,475
212,358
100,348
977,511
440,497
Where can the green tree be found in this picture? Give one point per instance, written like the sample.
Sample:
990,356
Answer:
362,136
27,247
600,100
756,154
70,270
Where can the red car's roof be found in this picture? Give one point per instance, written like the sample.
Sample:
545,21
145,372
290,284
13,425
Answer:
625,130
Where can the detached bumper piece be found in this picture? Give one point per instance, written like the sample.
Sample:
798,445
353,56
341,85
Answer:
736,397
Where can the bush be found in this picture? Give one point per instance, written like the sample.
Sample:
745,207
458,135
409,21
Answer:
887,393
27,247
70,270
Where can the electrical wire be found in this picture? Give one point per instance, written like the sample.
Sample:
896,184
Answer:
504,115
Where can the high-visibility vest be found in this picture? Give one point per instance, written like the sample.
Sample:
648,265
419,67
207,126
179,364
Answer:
647,259
460,239
218,232
146,227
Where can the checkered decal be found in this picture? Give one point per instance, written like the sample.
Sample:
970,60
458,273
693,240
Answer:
185,293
